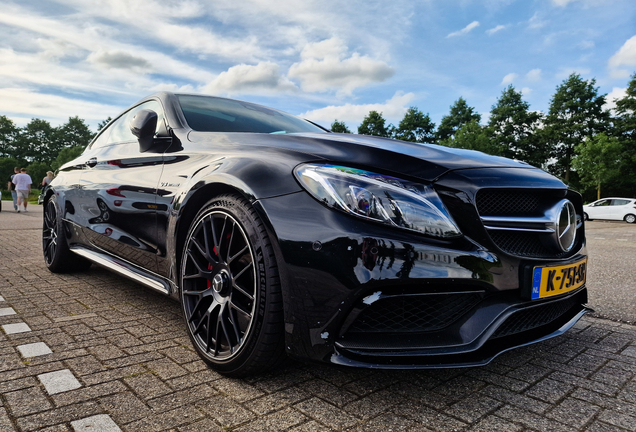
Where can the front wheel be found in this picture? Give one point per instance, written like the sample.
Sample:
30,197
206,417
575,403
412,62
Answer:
230,289
630,218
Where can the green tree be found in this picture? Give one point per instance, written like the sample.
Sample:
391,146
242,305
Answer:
101,125
460,113
37,171
415,127
339,127
6,169
36,142
576,114
597,161
8,134
512,126
473,136
73,133
625,130
373,124
66,155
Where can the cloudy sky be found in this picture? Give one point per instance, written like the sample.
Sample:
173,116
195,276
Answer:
321,59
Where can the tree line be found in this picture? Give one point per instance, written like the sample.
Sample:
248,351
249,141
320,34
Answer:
591,148
40,147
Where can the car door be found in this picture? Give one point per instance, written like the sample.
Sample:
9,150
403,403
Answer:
599,209
620,208
119,193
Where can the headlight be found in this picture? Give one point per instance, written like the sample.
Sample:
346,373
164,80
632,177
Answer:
379,198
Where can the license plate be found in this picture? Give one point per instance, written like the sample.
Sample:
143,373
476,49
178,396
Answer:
555,280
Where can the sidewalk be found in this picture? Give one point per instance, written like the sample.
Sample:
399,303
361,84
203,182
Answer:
93,351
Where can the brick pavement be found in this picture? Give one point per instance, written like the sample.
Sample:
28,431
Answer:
92,351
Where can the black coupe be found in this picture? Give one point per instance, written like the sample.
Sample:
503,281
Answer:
280,238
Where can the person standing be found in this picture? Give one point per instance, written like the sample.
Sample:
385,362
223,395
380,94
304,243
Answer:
11,187
47,179
22,182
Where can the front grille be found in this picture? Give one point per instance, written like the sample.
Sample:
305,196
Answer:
507,203
528,319
420,313
518,221
524,244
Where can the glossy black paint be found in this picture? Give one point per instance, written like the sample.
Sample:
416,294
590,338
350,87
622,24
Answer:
136,203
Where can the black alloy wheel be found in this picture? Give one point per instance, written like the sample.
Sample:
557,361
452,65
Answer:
230,290
57,255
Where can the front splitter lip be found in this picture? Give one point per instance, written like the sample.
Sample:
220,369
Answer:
342,360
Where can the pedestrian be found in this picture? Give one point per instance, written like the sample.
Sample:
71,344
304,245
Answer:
47,179
22,182
11,187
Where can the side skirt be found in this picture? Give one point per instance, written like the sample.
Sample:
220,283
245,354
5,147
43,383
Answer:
126,269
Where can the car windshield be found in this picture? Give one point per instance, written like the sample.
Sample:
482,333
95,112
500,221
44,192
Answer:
211,114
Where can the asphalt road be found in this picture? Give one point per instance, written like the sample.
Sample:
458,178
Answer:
611,266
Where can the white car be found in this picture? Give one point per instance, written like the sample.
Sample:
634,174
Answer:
611,209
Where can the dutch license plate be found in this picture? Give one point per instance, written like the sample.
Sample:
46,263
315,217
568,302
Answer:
555,280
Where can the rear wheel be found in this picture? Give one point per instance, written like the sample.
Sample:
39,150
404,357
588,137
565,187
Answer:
586,217
230,289
57,255
630,218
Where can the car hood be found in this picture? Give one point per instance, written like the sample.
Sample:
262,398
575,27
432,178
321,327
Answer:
425,161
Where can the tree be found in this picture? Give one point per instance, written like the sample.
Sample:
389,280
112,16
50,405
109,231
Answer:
625,130
74,133
473,136
101,125
512,126
416,127
576,114
36,142
597,161
8,134
66,155
339,127
373,124
460,113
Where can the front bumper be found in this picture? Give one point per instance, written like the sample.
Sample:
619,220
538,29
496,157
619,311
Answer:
335,268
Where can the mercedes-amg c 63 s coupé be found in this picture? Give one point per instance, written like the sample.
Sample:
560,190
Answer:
280,238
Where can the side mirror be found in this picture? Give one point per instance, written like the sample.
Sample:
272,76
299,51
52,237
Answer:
143,126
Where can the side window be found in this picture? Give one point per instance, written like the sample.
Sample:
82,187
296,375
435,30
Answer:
602,203
620,202
119,130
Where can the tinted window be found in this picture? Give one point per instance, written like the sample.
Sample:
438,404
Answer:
119,130
620,202
602,203
210,114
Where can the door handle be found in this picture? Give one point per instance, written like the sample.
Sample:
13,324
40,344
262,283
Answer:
91,162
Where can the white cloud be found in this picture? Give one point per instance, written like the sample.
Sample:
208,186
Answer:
465,30
323,67
264,77
610,99
565,72
534,75
21,103
392,110
526,91
508,79
494,30
586,44
535,22
624,57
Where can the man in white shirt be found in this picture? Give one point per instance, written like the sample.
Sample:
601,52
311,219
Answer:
22,184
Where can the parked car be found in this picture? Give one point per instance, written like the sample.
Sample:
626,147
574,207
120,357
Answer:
281,238
611,209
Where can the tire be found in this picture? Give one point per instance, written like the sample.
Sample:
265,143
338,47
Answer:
586,217
630,218
57,255
230,289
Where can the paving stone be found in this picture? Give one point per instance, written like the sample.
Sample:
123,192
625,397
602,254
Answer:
125,407
101,423
205,425
279,420
493,423
16,328
88,393
59,381
574,412
28,401
238,390
165,368
329,392
57,416
472,409
166,420
180,398
225,411
276,401
7,311
618,419
34,349
147,385
326,413
1,299
549,391
532,420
